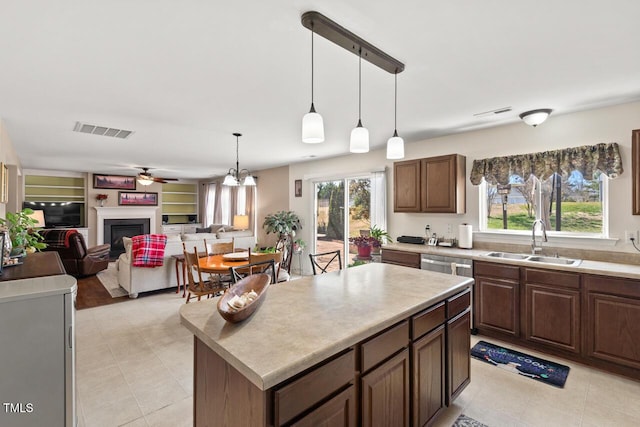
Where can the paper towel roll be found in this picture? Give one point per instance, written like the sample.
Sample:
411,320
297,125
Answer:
465,236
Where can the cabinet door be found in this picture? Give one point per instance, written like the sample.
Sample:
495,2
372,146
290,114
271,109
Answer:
552,316
459,355
614,329
385,393
428,376
406,186
497,303
442,180
337,412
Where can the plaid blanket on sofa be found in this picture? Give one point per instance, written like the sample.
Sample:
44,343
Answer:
147,250
57,238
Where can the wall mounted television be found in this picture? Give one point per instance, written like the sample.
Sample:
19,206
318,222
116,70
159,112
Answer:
59,214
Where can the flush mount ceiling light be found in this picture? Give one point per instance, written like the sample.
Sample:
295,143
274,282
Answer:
312,123
395,144
238,176
330,30
535,117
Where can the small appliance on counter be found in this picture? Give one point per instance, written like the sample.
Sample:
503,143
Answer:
415,240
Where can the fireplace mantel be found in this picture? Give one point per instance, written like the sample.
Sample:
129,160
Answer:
121,212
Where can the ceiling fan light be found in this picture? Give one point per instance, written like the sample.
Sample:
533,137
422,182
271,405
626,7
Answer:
145,181
395,147
249,181
230,180
312,127
535,117
359,142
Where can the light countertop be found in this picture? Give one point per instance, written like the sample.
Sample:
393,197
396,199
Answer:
629,271
305,321
14,290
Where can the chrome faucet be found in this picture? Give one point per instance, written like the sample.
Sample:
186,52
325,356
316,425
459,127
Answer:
534,247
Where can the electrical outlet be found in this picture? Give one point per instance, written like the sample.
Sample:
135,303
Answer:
448,228
628,235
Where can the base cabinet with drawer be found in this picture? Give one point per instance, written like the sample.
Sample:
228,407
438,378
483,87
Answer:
404,258
497,292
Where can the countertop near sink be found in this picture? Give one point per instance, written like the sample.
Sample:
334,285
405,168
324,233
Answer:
630,271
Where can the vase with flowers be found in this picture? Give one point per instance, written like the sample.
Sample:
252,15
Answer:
101,198
364,245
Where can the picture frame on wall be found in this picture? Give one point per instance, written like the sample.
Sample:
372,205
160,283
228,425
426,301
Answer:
130,198
298,187
4,183
114,182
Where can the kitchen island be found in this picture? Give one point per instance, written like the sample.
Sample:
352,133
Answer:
327,346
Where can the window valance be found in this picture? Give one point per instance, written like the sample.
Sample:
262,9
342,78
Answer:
587,159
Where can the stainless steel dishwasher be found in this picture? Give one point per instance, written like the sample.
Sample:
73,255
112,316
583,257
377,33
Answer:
450,265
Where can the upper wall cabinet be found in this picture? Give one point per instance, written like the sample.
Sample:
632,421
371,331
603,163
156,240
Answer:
431,185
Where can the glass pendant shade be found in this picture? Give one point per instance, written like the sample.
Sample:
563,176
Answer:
395,147
312,127
535,117
359,139
230,181
145,181
249,181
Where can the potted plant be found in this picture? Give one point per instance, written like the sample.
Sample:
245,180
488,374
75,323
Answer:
380,235
282,223
101,198
298,246
364,245
23,236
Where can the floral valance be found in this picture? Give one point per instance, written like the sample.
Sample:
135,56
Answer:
587,159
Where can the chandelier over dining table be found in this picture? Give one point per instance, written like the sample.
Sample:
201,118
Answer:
237,176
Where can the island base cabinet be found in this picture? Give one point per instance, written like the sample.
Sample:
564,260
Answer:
337,412
385,393
428,377
215,384
458,354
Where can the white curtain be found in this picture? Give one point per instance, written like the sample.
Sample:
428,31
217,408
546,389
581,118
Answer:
378,208
209,203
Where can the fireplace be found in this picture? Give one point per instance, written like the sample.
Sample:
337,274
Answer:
116,229
137,213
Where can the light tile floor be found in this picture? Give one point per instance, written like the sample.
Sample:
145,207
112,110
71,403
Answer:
135,368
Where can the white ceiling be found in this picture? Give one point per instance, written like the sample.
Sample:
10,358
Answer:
186,75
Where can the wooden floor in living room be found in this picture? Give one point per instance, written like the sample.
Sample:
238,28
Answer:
91,293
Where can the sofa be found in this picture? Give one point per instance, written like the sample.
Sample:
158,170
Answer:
142,279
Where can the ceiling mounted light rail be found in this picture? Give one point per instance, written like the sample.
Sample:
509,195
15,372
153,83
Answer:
339,35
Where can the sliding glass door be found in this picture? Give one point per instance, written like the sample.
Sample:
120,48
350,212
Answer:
341,214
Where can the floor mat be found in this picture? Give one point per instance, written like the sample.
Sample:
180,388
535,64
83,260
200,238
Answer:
521,363
464,421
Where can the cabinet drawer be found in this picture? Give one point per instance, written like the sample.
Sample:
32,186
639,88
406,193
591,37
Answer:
499,271
548,277
306,391
428,320
458,303
384,345
410,259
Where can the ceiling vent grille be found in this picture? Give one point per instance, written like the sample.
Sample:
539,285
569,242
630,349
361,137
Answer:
101,130
493,112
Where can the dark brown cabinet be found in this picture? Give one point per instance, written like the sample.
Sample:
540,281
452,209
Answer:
613,320
406,259
429,376
430,185
385,393
337,412
497,298
459,359
552,308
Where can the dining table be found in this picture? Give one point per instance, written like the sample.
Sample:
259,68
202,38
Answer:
221,263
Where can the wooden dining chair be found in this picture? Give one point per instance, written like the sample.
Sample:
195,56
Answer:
200,287
242,271
218,248
324,262
277,258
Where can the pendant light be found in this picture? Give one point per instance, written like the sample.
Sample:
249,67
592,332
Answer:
237,176
359,135
312,123
395,144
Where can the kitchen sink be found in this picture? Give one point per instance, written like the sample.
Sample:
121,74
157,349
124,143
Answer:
553,260
535,258
507,255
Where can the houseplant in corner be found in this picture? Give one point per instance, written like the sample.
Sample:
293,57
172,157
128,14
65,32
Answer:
282,223
23,236
381,236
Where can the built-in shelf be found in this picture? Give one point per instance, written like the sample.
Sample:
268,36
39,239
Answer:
179,202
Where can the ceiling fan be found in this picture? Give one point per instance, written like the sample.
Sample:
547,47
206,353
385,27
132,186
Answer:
145,178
